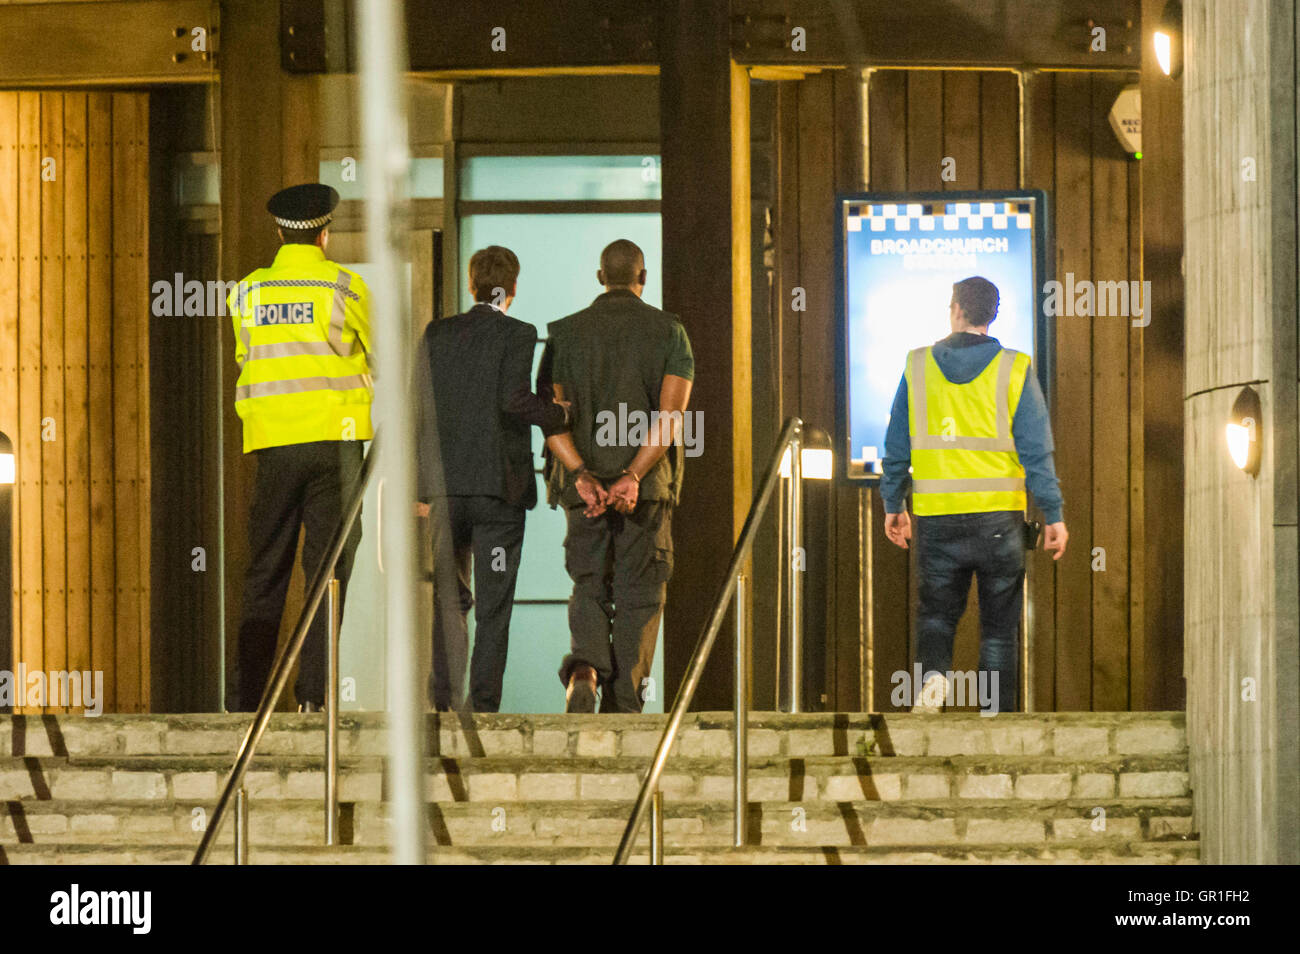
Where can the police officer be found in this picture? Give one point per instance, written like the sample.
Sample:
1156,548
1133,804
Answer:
619,358
970,421
302,342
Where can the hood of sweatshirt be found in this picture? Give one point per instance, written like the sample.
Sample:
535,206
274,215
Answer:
963,355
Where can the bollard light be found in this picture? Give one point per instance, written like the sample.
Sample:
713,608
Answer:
1242,431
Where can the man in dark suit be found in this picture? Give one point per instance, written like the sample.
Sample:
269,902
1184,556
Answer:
476,471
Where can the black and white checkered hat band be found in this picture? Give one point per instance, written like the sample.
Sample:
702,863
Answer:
301,224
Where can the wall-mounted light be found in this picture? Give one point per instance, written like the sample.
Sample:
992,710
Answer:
7,470
1243,431
1169,40
815,456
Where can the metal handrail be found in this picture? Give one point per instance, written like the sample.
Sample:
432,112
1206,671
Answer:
791,439
280,677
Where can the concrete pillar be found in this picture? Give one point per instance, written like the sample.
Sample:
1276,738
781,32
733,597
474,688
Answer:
1240,580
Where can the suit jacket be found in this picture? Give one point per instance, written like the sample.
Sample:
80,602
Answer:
474,407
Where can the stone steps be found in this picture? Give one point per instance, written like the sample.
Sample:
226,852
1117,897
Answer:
823,788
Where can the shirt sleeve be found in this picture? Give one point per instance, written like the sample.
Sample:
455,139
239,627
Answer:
896,467
1031,429
681,359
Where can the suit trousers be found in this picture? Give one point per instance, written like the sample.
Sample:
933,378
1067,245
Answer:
620,566
482,536
297,485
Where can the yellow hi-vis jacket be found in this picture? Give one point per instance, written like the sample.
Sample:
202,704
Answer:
963,456
302,342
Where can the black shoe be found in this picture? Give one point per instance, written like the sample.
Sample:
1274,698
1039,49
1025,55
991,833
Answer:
311,707
581,696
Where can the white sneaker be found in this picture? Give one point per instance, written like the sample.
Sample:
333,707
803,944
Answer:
932,695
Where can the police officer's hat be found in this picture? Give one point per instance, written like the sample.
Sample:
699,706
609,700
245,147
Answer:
301,207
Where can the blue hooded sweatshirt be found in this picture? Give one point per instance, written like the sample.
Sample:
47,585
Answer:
961,357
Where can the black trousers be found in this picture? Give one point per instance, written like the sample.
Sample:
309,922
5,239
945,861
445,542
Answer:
482,536
297,485
620,566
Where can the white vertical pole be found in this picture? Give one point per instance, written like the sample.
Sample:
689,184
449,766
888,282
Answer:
1025,682
387,161
797,561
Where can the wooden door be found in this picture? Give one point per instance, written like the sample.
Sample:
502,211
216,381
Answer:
74,386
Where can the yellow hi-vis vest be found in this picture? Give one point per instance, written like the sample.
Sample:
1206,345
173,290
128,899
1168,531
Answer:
302,342
963,456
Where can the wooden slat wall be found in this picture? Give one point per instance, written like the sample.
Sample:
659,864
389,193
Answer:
1040,162
54,436
1083,620
28,573
892,617
76,381
1110,413
9,356
1158,656
99,272
1072,408
72,244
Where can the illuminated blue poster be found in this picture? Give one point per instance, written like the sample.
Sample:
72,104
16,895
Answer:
900,259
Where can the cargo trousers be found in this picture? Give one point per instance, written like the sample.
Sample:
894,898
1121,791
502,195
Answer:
620,565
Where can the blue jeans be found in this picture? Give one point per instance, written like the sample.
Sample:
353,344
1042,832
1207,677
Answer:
949,548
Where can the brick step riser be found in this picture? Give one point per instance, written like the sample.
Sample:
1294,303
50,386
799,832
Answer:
1152,854
935,739
367,826
90,785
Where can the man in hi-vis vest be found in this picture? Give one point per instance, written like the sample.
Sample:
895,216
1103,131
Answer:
302,342
970,421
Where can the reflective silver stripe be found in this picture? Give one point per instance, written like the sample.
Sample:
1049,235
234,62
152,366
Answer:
245,338
1005,359
290,349
298,385
245,290
924,440
918,386
338,314
969,485
929,442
